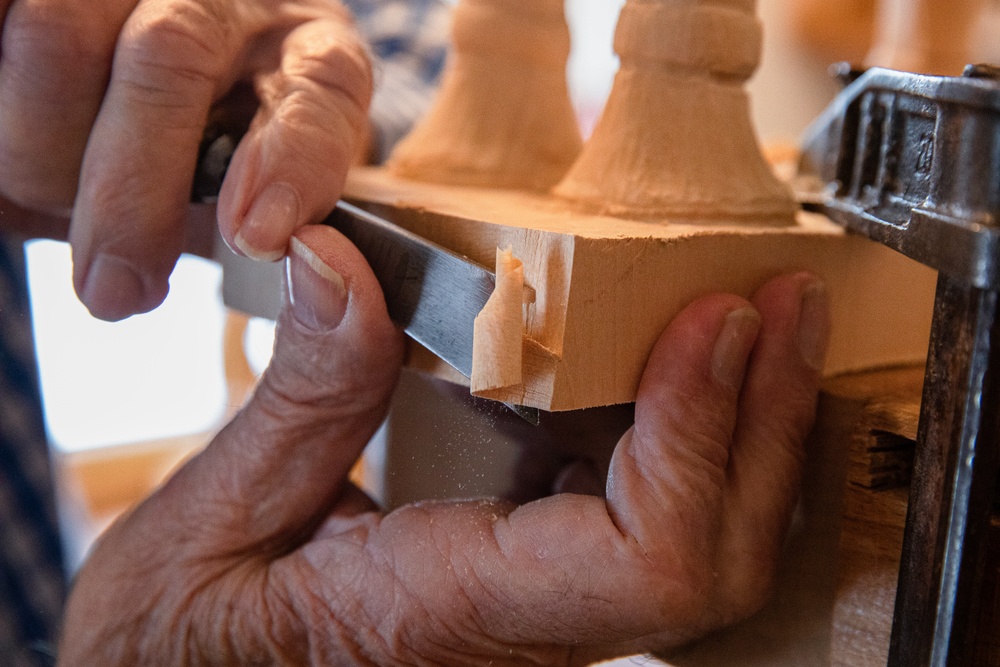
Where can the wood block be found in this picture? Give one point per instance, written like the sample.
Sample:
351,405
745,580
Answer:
870,545
606,287
866,572
882,455
872,536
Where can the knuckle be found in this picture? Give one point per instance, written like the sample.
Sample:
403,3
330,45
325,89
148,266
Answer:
292,397
51,54
51,33
54,53
304,376
697,428
315,138
336,62
239,618
758,587
678,601
788,424
437,607
693,598
742,592
167,50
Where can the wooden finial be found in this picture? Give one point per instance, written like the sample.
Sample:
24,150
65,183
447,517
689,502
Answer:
503,116
675,141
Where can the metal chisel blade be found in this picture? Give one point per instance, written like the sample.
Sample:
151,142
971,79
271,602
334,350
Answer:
433,293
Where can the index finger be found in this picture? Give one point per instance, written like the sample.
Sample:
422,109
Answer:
128,224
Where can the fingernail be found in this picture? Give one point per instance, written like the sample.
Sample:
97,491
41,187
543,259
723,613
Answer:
814,325
114,289
732,347
317,292
270,221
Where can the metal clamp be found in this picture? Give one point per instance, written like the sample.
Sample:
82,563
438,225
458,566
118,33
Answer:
913,162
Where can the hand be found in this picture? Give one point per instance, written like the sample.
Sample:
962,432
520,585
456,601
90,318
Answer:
102,111
259,551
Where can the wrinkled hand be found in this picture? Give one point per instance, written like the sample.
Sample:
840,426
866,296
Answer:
260,552
103,106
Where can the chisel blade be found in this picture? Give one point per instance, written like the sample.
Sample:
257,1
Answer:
433,293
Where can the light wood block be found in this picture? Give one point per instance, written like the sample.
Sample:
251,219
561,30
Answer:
606,287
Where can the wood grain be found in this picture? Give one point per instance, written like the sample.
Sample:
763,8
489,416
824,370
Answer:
875,505
606,287
503,116
675,140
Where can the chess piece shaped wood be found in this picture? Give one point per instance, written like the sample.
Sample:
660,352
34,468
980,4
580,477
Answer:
503,117
675,142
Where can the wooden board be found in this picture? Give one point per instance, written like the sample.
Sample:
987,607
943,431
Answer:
606,287
875,503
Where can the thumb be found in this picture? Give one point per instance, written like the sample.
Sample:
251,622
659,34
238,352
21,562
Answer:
277,469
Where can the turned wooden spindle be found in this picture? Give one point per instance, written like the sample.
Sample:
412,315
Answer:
675,142
925,36
503,116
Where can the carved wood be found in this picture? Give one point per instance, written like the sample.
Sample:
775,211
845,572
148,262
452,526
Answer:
675,141
674,147
503,116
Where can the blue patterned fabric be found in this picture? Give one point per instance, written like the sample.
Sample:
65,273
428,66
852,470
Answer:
409,42
32,584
